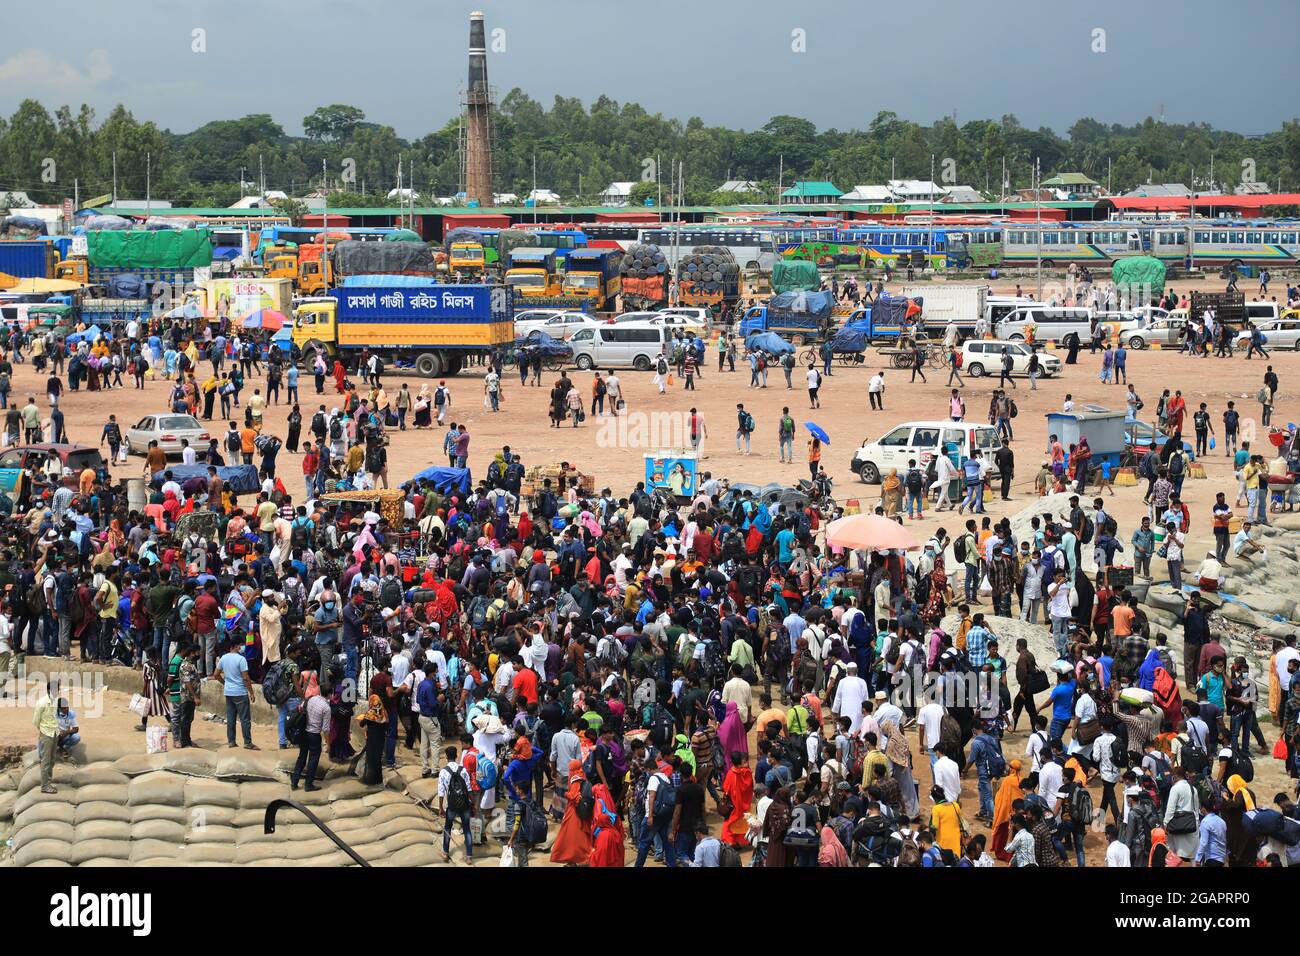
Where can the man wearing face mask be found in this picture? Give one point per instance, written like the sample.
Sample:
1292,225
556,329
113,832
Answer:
325,622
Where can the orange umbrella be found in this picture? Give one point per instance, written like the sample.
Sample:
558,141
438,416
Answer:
870,532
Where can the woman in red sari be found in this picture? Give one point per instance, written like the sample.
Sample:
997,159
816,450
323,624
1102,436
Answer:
738,785
606,830
573,843
340,375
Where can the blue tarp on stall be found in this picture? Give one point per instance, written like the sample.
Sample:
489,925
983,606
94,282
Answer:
91,334
240,479
446,480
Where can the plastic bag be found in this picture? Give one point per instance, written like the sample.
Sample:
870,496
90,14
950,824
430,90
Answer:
985,586
1279,749
139,706
507,856
156,740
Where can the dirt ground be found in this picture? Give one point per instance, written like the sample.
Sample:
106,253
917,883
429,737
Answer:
616,456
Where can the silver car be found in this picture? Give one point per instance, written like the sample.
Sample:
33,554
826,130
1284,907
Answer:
167,430
1278,334
1166,332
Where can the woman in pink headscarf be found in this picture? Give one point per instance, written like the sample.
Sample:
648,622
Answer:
731,735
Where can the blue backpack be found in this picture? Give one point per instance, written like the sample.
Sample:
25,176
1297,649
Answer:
486,772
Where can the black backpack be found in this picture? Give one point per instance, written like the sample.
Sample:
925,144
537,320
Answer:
295,721
300,533
915,481
277,685
457,791
662,727
336,429
1088,529
959,549
533,830
390,593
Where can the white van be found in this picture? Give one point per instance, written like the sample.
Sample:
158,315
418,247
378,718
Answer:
998,307
919,441
1051,323
621,345
1262,311
980,358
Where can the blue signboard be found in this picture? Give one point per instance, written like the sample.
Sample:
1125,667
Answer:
434,303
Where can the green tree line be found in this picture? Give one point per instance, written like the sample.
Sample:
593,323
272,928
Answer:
578,150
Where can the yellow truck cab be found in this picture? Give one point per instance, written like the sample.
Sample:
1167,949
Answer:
74,270
311,280
467,258
532,273
315,324
281,265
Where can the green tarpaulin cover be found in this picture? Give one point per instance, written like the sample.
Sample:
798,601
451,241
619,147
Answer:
795,275
1140,277
150,249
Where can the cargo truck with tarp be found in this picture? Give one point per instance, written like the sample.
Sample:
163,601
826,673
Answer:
888,318
355,258
26,259
794,275
798,316
154,255
1138,279
432,327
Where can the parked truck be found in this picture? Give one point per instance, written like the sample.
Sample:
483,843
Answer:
107,313
798,316
31,259
434,326
592,275
356,258
531,272
156,256
962,305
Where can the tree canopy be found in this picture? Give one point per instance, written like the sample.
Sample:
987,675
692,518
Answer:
579,150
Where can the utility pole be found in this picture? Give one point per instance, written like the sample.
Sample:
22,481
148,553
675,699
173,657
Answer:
261,177
1108,187
1038,215
241,182
325,225
780,180
114,177
534,188
148,184
1191,222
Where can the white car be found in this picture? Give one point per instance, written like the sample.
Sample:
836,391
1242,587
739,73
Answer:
638,317
1167,332
554,322
981,357
1278,334
688,316
919,441
167,430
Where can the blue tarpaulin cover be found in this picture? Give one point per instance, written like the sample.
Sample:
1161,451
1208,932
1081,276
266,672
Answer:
240,479
769,342
446,480
849,339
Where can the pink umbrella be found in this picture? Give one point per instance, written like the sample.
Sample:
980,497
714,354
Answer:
870,532
268,319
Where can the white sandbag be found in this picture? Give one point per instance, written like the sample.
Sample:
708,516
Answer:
101,792
160,811
35,806
157,787
47,830
39,850
104,830
256,796
201,792
165,830
102,810
84,851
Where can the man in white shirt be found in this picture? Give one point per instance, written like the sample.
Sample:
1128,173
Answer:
929,718
886,712
850,693
1050,777
187,452
738,689
947,775
622,565
1117,854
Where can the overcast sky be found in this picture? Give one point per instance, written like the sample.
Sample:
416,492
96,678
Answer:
729,62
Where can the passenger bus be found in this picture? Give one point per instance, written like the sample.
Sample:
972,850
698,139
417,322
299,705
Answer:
857,247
